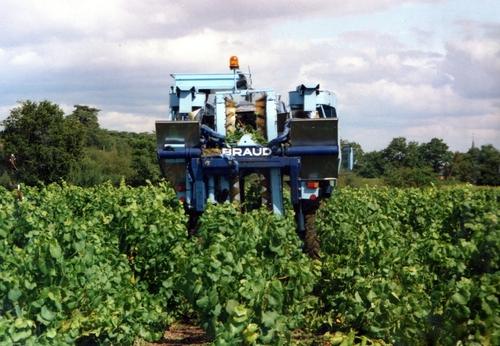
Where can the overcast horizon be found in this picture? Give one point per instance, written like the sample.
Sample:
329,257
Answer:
418,69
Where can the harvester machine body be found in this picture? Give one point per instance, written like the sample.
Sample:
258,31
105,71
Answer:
220,131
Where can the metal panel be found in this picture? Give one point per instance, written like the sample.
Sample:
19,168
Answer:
274,173
174,171
298,100
276,191
309,99
327,98
185,101
211,81
271,116
198,100
185,133
220,115
316,132
182,135
319,167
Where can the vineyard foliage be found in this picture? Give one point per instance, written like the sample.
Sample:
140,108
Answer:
109,265
406,265
84,265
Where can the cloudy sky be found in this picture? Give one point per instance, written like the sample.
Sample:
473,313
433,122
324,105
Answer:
418,69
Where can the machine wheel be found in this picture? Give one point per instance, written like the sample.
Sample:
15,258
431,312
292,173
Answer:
192,225
311,240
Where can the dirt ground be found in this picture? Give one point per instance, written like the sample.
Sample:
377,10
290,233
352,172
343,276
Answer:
182,334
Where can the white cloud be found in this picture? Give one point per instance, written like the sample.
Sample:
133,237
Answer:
28,58
474,64
459,132
117,55
349,64
410,100
5,110
33,20
127,122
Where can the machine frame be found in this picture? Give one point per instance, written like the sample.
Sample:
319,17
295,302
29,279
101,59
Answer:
301,149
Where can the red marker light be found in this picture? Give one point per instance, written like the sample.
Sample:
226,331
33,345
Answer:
312,184
313,197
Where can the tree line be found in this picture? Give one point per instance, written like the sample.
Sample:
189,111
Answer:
409,163
41,145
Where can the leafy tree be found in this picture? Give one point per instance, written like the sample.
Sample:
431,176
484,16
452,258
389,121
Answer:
117,156
371,164
98,166
45,144
144,161
462,168
399,153
410,176
478,166
436,154
4,176
489,165
413,156
396,152
87,117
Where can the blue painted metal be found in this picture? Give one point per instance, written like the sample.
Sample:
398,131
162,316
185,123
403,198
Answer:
211,189
348,157
189,190
186,99
274,174
208,81
312,150
271,116
204,169
189,91
212,137
308,98
179,153
199,191
275,143
351,159
220,114
208,176
306,193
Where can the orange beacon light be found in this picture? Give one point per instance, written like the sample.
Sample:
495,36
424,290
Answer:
233,63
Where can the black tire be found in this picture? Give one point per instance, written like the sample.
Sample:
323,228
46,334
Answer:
192,226
311,240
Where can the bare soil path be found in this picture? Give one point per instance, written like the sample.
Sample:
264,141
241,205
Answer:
183,334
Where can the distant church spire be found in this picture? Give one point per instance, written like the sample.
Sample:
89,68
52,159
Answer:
473,144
